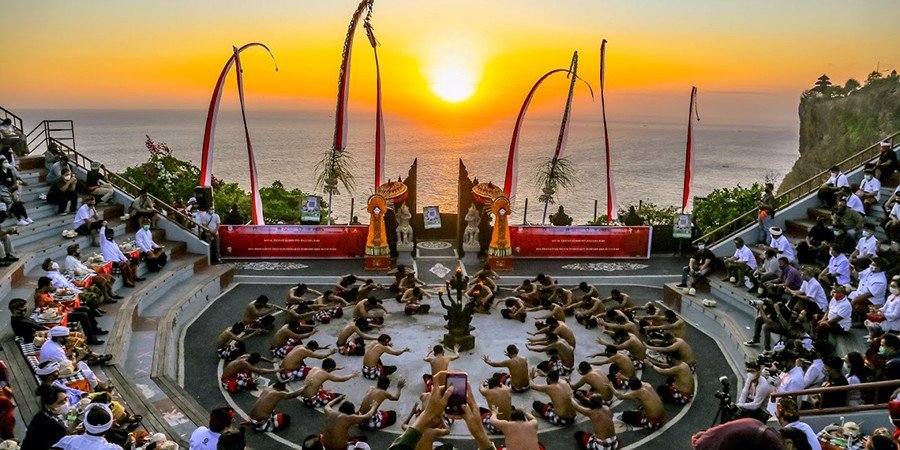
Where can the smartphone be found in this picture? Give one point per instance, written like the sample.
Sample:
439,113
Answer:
456,383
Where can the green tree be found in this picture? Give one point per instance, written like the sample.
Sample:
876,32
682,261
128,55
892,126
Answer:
724,205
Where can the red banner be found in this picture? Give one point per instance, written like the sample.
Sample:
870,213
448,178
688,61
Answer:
292,241
581,242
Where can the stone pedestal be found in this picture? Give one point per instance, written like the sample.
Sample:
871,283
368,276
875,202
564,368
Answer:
500,263
404,253
382,262
465,342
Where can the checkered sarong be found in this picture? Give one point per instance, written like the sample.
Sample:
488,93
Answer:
34,362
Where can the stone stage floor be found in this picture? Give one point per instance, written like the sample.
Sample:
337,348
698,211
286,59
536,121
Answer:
421,332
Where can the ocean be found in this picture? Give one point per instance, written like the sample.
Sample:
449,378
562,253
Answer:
647,154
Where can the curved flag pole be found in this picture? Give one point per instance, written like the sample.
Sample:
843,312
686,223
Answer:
380,142
209,132
689,152
340,116
612,213
256,207
512,161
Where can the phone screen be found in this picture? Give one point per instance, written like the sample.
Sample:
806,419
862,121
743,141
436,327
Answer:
456,383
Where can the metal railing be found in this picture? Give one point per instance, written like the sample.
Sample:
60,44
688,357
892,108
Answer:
16,120
174,215
797,192
47,130
876,385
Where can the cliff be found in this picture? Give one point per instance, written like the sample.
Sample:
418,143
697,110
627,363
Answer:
837,122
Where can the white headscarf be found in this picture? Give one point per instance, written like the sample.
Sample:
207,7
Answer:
97,429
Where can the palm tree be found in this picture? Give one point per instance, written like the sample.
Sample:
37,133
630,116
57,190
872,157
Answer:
552,175
335,167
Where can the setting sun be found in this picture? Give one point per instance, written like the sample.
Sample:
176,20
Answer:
452,84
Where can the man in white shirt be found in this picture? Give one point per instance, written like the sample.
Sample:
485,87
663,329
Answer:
781,244
103,282
204,438
112,252
866,247
152,252
871,290
86,220
59,280
838,269
210,220
755,395
837,318
870,189
98,419
828,190
788,415
738,264
54,349
793,380
854,201
810,293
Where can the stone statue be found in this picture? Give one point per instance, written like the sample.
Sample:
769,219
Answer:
459,313
470,235
404,229
500,241
560,219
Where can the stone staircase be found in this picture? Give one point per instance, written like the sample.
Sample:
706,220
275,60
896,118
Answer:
186,280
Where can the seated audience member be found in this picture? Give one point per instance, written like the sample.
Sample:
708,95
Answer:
828,191
866,248
55,350
98,419
891,221
153,253
846,219
104,282
768,270
698,267
742,261
837,318
781,244
870,291
887,319
13,138
834,378
870,189
788,414
207,438
755,395
7,249
886,163
10,195
46,427
854,199
96,183
87,220
112,253
814,247
838,269
63,192
143,207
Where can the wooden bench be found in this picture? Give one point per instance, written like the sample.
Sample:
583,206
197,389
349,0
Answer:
139,404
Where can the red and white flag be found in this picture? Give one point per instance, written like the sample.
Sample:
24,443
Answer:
210,131
611,204
256,207
689,153
380,141
340,116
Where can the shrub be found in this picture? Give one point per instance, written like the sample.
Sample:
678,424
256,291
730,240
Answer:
724,205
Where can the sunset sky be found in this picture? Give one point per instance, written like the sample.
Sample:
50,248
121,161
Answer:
750,60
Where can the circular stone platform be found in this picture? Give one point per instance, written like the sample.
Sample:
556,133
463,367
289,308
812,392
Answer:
419,333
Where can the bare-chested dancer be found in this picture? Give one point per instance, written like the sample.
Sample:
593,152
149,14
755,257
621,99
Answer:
618,300
373,368
518,378
553,326
439,362
679,387
597,381
498,397
376,395
296,294
230,342
604,431
314,395
359,327
676,349
263,417
371,309
237,376
338,423
651,414
561,408
563,364
673,324
515,309
293,366
621,366
289,335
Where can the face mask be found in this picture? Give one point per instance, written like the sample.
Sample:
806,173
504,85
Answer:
54,266
894,290
701,247
882,350
867,233
147,227
846,367
109,238
61,410
868,177
6,165
67,177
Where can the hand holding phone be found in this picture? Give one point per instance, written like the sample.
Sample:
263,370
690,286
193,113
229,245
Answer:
456,383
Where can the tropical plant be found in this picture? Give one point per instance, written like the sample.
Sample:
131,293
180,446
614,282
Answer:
724,205
649,211
334,168
553,175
